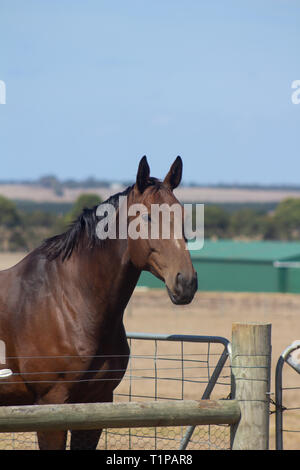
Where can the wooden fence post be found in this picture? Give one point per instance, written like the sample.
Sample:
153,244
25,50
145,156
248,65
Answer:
251,364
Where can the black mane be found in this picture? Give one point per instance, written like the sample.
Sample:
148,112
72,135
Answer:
64,244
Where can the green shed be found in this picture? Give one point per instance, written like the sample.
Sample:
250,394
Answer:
258,266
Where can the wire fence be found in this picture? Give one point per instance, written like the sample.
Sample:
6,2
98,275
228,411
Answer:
161,367
178,368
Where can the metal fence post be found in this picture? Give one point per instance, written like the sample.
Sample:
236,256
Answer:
286,356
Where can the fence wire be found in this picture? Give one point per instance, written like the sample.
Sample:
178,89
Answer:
160,368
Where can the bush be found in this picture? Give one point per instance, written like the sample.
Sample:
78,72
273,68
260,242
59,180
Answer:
84,201
287,219
216,221
9,215
248,223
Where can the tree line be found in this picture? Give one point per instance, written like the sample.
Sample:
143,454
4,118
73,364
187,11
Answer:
23,230
281,223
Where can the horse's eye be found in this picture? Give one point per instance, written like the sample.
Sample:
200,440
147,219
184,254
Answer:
146,217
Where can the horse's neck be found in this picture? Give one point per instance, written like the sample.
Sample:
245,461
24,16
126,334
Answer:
107,275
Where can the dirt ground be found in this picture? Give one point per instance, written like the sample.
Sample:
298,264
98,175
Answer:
213,313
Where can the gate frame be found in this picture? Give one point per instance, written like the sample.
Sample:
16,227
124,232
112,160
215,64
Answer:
284,358
226,353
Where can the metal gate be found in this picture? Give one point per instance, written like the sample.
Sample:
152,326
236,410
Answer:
174,367
286,396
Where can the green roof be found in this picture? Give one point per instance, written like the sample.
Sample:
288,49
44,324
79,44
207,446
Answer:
251,251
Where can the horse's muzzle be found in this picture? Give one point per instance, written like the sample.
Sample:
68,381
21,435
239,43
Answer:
184,289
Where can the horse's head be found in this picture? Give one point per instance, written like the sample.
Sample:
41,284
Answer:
161,247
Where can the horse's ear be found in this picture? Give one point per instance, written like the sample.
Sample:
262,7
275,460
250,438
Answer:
174,176
142,177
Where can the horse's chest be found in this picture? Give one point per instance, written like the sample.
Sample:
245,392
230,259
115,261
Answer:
104,373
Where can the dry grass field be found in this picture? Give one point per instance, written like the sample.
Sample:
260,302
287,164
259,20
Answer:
184,194
213,314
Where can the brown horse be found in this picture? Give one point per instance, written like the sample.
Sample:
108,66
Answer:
61,307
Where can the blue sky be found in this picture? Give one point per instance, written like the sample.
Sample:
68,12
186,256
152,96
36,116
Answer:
94,85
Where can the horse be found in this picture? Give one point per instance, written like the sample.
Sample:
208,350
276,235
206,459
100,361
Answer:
62,306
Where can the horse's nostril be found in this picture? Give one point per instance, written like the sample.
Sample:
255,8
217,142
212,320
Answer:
179,286
195,279
185,284
186,280
184,289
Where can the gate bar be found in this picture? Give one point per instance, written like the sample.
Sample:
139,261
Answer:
206,394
